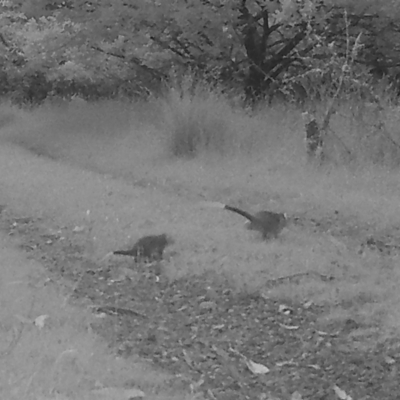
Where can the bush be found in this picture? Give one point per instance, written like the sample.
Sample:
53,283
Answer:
199,119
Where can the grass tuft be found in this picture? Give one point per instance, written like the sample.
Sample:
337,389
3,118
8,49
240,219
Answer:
199,122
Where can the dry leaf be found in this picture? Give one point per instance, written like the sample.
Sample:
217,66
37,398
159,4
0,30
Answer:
308,304
283,363
296,396
40,321
207,305
283,308
341,393
195,386
389,360
187,358
289,327
256,368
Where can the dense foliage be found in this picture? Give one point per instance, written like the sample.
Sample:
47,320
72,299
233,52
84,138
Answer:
289,48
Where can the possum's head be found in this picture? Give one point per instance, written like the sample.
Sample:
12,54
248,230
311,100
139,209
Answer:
169,239
163,239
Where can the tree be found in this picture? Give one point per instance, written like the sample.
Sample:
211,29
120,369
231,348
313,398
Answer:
260,46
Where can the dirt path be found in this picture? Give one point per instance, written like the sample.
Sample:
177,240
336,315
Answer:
22,286
46,345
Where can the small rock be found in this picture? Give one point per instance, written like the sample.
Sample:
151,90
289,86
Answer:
207,305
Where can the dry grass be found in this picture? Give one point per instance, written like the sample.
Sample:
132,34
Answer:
255,161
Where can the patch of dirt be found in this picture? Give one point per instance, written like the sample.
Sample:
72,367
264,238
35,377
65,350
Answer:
209,335
353,232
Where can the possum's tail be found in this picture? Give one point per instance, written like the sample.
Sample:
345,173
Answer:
123,253
245,214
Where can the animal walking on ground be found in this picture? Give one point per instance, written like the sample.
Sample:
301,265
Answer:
148,247
268,223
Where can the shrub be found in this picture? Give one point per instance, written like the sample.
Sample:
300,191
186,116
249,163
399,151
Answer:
198,121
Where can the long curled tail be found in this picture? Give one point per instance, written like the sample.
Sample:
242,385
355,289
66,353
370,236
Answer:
236,210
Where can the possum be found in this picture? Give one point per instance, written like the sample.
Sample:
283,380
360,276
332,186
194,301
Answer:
268,223
148,247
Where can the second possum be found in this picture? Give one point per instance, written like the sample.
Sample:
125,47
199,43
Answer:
148,247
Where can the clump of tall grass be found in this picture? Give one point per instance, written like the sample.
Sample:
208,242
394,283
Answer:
365,133
358,125
199,119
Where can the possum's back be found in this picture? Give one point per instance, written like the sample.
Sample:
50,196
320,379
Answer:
268,223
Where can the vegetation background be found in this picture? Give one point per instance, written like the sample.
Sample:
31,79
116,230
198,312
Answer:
142,110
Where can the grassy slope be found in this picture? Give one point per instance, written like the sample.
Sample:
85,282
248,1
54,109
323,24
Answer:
143,190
